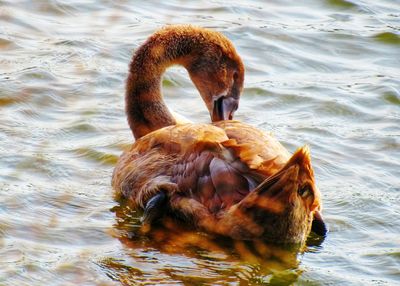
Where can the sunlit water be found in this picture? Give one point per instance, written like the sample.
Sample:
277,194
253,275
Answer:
323,73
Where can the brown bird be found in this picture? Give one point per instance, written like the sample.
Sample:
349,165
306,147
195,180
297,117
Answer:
227,177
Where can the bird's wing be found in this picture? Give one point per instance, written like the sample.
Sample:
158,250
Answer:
259,150
216,165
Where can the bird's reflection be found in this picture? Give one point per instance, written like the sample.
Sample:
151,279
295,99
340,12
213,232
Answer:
245,261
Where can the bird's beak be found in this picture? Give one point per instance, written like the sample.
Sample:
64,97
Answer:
223,108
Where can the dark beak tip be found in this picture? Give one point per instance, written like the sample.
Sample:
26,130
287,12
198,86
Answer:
218,110
224,108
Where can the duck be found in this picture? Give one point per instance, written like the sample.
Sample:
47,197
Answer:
226,177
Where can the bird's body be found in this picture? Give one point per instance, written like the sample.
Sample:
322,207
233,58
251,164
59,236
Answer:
215,164
226,177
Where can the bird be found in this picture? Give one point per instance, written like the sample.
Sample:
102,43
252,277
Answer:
225,177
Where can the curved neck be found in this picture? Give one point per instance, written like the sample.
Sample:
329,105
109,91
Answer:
204,53
145,107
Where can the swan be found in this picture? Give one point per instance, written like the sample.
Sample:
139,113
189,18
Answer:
226,177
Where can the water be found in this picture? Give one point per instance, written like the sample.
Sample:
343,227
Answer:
323,73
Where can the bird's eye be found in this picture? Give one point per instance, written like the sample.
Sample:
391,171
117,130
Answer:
304,191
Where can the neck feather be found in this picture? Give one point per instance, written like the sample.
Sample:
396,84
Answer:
145,107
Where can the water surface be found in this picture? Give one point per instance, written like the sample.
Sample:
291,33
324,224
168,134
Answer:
323,73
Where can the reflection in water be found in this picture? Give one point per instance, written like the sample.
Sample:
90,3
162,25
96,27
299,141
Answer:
212,259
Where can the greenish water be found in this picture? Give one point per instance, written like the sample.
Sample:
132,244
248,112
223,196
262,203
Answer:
323,73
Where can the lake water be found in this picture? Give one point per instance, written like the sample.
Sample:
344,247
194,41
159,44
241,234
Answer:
319,72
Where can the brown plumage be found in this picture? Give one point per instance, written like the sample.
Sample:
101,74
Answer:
213,65
227,177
